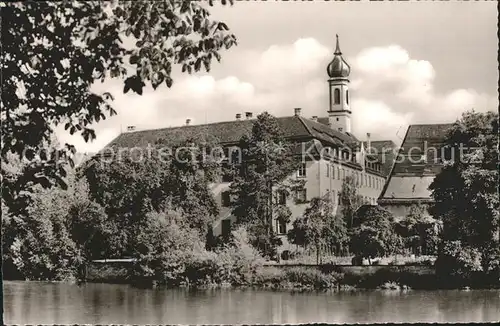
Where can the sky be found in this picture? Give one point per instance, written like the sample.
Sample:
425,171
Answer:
411,62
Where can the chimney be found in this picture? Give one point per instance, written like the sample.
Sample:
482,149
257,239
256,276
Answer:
297,112
188,121
314,118
248,115
368,141
238,116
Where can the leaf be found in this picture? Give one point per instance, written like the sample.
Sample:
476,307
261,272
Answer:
169,82
133,59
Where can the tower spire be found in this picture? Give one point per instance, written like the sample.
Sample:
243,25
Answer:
337,47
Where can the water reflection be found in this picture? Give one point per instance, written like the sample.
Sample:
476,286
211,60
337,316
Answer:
40,302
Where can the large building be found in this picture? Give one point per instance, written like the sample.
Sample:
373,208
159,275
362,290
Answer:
323,173
419,160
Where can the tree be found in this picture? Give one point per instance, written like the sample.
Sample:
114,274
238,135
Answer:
373,233
319,227
349,200
465,192
267,161
40,245
163,245
53,52
419,231
154,182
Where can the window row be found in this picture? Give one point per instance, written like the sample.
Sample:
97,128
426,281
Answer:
360,178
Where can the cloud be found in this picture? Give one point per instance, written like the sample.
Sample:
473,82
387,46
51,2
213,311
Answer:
389,91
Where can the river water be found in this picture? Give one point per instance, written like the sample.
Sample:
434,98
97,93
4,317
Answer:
61,303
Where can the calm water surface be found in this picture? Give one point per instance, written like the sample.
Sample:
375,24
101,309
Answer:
47,303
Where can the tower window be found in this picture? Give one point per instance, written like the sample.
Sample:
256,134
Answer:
347,96
336,96
337,119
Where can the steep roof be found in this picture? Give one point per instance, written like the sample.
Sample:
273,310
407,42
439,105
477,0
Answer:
385,151
416,166
230,132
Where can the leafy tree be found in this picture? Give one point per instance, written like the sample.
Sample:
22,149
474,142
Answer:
319,227
154,182
466,190
419,231
373,233
91,230
53,52
349,200
163,245
40,245
267,160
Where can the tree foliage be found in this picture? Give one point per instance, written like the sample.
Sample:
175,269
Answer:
349,200
53,52
154,180
466,190
55,235
419,231
319,227
267,161
373,234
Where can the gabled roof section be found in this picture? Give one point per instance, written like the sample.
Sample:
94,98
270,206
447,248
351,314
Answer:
322,131
416,165
226,132
379,145
230,132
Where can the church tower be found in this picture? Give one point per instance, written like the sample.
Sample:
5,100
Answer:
339,111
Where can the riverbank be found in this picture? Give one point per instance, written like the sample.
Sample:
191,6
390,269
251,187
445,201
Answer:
300,277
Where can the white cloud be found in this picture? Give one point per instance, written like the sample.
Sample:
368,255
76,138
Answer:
389,91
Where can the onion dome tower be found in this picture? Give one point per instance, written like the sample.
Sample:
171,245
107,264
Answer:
339,111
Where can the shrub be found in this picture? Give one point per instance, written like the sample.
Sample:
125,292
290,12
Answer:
270,277
456,264
311,278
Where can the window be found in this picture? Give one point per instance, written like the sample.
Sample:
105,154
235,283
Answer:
226,199
338,173
366,180
302,195
333,196
337,119
226,227
281,197
327,170
341,129
280,226
336,96
302,170
347,96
